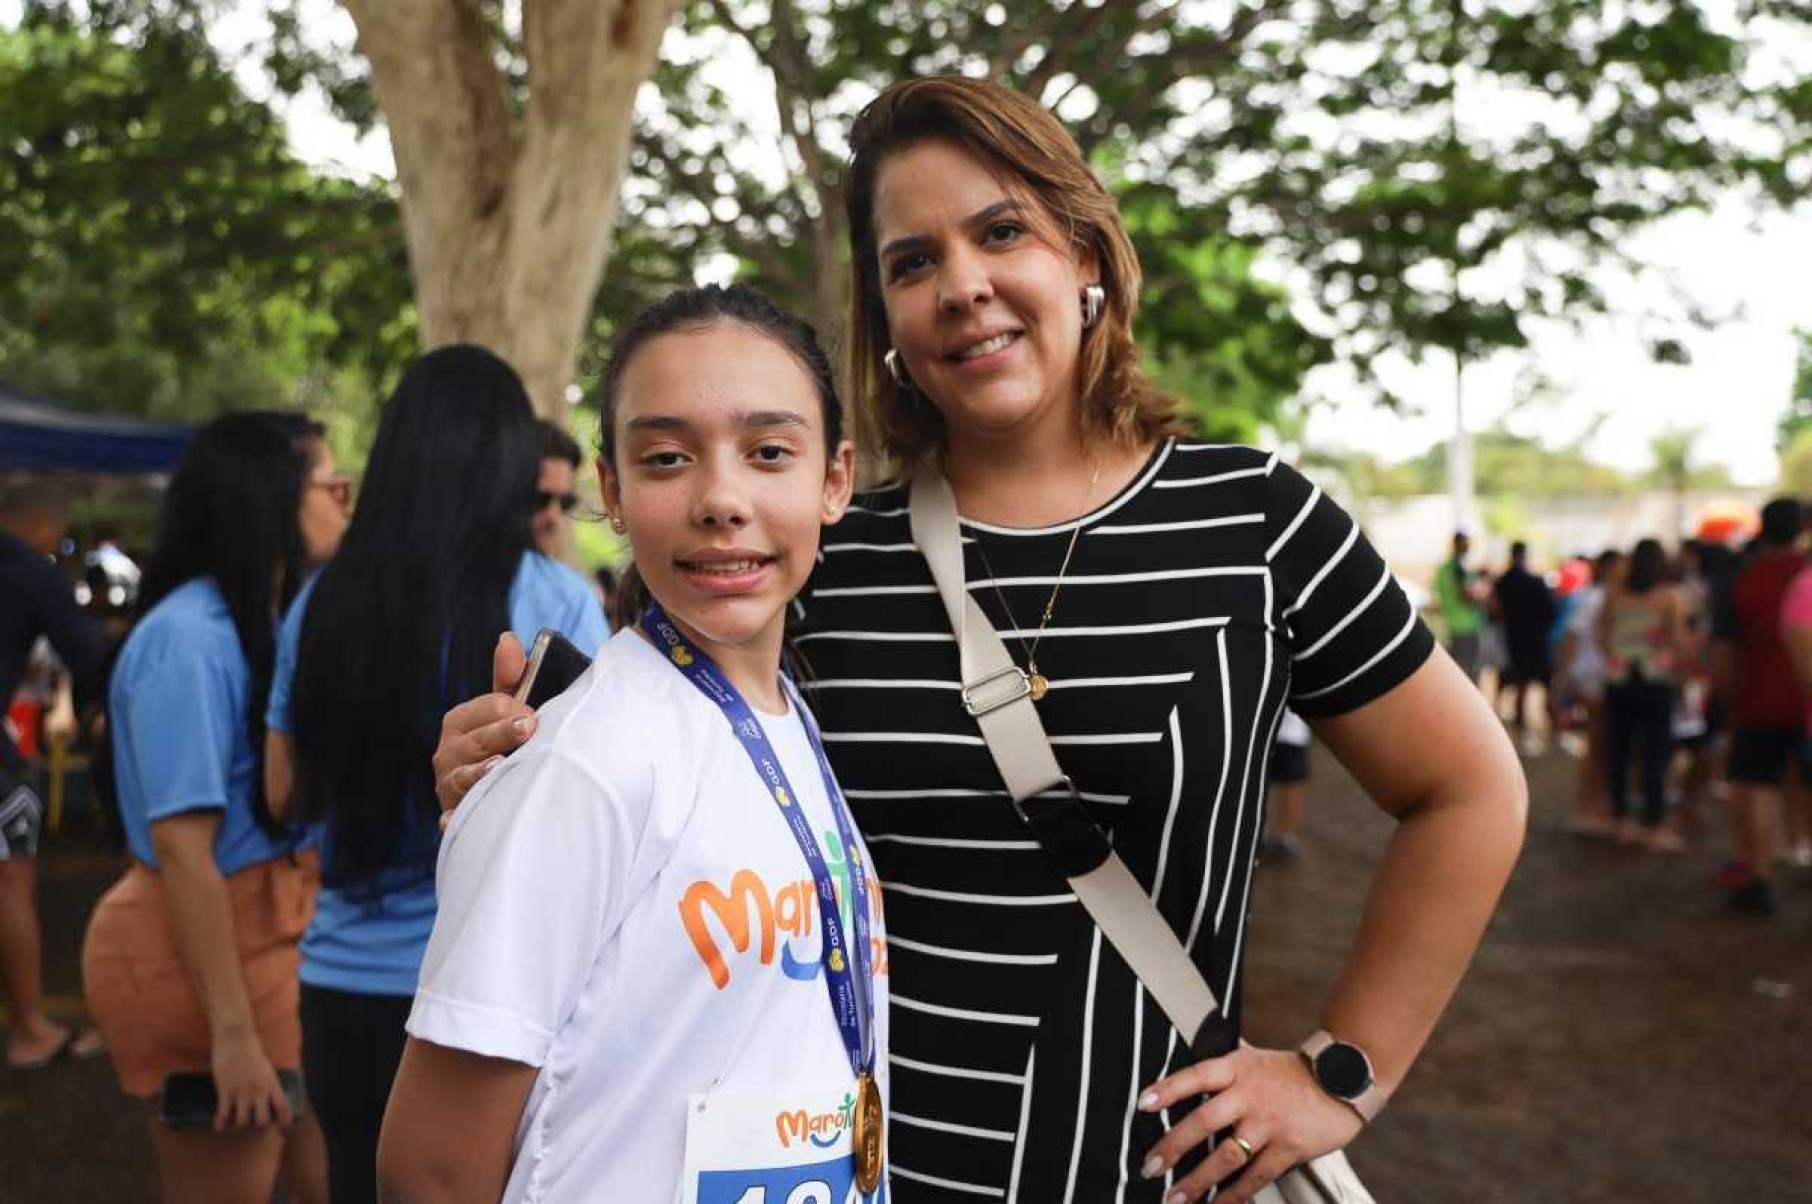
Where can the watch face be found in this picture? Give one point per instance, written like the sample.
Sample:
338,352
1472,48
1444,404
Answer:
1342,1071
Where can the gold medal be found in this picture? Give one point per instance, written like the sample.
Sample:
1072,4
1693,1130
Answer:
866,1132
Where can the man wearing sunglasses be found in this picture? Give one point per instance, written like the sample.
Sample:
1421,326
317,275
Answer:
554,497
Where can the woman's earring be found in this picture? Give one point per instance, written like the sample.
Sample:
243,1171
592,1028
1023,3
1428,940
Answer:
892,361
1094,300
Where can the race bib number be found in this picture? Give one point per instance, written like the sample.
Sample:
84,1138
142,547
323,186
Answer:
758,1148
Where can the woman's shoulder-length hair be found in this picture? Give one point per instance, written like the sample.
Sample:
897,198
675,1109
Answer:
1020,140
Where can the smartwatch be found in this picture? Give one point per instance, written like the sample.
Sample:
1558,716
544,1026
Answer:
1344,1072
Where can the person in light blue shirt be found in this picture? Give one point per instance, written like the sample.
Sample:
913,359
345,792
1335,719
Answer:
189,964
401,624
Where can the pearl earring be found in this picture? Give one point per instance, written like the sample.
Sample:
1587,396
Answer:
892,361
1094,300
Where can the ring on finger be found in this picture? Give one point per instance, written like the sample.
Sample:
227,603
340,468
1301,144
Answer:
1246,1148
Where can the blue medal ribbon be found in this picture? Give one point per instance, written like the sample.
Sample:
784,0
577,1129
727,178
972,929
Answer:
846,963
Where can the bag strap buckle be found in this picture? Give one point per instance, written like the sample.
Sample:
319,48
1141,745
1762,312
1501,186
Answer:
996,690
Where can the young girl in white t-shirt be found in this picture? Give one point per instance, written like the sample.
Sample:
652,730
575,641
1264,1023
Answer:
657,970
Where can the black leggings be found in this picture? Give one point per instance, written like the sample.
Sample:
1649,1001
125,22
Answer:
351,1047
1643,712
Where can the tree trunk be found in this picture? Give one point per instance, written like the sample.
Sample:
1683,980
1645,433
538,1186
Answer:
509,215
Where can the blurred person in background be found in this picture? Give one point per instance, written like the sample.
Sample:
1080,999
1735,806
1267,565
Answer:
399,626
1643,633
1582,674
190,959
556,489
1796,633
1768,709
1289,776
1525,607
1457,593
36,603
1701,714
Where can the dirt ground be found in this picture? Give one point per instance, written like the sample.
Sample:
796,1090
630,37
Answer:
1621,1037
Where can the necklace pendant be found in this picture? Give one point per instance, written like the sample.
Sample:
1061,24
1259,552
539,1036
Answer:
1039,685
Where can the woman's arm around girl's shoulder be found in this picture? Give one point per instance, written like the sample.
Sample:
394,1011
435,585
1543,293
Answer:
535,874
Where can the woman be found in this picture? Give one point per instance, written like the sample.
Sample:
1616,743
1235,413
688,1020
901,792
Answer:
1644,634
190,960
555,1047
1173,595
1706,571
399,626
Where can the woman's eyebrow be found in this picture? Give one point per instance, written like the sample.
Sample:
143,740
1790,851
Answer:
981,217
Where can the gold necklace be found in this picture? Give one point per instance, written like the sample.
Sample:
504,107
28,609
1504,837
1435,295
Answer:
1037,682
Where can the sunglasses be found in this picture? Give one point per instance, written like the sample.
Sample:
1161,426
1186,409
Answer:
544,499
338,488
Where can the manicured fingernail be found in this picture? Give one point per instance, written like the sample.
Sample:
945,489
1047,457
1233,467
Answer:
1149,1101
1154,1166
1176,1197
493,763
521,726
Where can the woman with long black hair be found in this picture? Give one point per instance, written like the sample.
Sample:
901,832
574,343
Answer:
397,628
190,960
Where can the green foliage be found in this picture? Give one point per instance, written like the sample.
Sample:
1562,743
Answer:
1504,464
1212,331
161,251
1433,174
1507,467
1796,464
1323,131
1798,417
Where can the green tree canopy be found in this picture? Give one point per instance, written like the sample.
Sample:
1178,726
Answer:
1437,173
1511,465
161,250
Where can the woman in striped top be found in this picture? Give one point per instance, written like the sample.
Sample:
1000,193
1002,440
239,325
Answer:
1176,595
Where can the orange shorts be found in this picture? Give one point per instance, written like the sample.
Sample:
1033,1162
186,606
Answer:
139,990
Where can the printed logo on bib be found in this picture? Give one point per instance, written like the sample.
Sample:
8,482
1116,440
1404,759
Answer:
748,914
756,1148
822,1129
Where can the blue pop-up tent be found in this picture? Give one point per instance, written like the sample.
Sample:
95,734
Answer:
40,435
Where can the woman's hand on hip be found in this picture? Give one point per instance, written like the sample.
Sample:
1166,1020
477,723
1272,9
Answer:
1273,1114
475,736
250,1095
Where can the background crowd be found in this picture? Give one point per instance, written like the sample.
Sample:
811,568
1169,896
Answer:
1678,676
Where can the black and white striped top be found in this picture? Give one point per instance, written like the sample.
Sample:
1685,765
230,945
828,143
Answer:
1219,584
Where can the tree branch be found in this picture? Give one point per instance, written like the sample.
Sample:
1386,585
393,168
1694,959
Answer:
1069,28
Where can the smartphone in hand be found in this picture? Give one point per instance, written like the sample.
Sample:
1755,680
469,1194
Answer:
553,665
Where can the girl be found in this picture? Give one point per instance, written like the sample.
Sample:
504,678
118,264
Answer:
643,915
190,960
1166,598
399,626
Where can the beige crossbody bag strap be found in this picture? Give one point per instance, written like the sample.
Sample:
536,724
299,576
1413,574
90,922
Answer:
998,695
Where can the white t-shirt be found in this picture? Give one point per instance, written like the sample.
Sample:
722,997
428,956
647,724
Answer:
623,907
